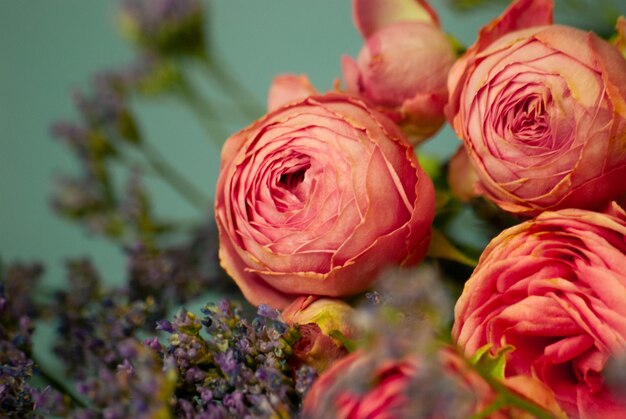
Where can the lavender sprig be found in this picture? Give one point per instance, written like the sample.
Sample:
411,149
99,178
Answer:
229,366
18,310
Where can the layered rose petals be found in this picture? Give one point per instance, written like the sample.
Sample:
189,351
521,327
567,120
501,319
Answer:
555,289
316,197
542,113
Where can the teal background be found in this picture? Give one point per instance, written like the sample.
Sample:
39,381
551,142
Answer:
49,47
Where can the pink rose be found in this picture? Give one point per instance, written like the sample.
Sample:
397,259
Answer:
542,112
316,198
318,319
555,289
362,385
403,66
384,394
287,88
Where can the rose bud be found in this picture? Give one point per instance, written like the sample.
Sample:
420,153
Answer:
554,288
541,110
462,177
318,320
316,198
402,70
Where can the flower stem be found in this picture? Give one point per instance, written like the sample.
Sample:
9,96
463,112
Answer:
507,398
246,101
204,111
58,384
177,181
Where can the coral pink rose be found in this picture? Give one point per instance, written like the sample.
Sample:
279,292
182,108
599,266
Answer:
555,289
287,88
384,395
316,198
362,385
542,112
403,66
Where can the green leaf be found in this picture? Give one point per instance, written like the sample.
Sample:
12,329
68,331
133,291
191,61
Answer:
493,364
442,248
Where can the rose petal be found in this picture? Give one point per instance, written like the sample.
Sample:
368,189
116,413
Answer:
287,88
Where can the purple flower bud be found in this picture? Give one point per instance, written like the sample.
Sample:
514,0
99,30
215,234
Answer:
126,366
153,343
165,325
267,311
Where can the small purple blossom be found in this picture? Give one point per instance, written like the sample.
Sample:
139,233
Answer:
165,27
229,366
269,312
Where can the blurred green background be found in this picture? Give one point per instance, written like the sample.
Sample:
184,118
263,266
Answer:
47,48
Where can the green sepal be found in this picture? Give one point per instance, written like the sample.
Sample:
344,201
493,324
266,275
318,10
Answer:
442,248
493,364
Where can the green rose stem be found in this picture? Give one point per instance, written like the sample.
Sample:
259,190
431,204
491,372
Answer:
204,111
174,178
246,101
505,398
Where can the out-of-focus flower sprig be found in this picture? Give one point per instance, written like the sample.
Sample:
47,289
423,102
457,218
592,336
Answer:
179,272
230,366
140,386
93,322
108,133
172,50
18,310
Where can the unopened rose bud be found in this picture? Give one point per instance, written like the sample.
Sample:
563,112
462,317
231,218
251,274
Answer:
320,322
403,69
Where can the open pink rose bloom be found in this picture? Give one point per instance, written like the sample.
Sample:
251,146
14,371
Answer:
554,288
318,196
541,110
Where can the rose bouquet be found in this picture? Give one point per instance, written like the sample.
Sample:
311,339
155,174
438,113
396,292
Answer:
349,286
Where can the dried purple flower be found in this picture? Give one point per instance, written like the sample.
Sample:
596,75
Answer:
165,27
140,387
229,366
179,272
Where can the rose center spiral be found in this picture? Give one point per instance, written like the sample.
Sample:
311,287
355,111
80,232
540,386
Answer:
290,180
530,122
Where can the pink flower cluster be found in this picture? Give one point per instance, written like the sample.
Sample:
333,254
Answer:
323,193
